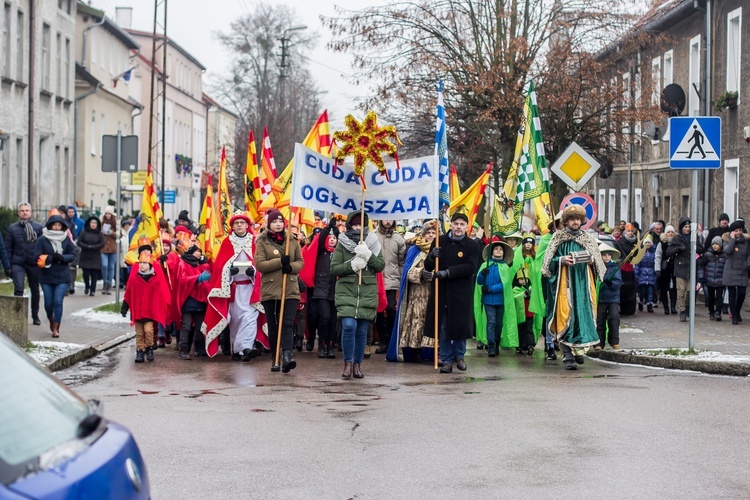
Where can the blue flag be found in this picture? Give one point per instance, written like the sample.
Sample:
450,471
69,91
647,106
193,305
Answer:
441,149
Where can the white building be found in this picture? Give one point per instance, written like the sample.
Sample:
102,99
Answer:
36,101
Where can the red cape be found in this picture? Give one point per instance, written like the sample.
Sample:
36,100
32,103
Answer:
220,296
185,284
147,299
310,259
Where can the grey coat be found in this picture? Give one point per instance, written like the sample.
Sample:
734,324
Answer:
737,264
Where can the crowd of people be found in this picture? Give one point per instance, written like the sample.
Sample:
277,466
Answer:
352,284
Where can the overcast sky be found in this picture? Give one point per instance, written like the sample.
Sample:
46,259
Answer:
193,24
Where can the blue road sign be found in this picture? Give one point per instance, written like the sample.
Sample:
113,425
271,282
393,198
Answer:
170,196
695,142
586,201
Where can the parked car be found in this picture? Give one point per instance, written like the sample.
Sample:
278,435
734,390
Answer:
53,444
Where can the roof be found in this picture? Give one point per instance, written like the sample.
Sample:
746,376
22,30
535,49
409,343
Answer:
83,74
109,25
213,103
171,42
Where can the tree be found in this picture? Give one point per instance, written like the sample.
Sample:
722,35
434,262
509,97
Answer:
262,92
486,51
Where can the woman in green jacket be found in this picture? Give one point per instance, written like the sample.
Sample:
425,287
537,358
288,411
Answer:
356,300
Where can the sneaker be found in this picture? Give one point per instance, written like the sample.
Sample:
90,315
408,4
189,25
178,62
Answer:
367,351
650,308
447,368
149,354
139,357
551,354
480,346
579,359
615,346
184,355
530,350
597,348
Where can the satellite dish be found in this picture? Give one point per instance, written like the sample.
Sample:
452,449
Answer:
673,100
606,168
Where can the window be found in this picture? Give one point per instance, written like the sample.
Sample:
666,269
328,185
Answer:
19,46
67,171
624,205
19,167
668,61
734,39
67,69
731,187
45,56
93,133
5,175
61,191
102,52
59,64
637,206
667,208
656,81
694,81
6,40
611,207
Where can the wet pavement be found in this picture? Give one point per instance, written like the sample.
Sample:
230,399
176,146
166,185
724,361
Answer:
512,425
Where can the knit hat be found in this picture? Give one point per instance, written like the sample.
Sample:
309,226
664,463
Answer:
669,229
144,248
109,209
192,249
716,240
355,219
183,216
274,214
723,217
735,226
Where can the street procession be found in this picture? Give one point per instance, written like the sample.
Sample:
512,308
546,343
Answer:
367,249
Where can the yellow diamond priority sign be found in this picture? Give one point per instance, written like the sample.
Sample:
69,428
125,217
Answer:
575,167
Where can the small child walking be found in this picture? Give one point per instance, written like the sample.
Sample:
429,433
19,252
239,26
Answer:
495,290
608,308
712,265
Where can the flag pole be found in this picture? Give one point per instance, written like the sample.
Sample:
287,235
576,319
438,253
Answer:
437,285
283,290
362,228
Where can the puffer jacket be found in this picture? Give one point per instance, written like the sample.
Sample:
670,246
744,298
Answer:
91,242
268,261
679,249
20,252
645,273
394,253
355,300
609,293
712,265
737,254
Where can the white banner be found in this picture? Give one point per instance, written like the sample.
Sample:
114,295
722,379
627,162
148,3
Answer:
410,192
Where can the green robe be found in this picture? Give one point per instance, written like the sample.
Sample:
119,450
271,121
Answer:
529,263
509,337
537,305
572,313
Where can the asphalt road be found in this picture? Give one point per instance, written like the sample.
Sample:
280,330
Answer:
510,426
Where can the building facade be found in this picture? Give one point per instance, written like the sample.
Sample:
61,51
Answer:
222,132
36,101
706,72
104,63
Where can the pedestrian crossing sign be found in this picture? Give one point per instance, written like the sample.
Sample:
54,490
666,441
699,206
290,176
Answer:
695,142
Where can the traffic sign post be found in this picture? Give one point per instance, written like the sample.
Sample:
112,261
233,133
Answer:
584,200
575,167
694,142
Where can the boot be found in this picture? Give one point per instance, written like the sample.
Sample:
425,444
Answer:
331,352
347,373
356,369
718,315
184,354
92,290
367,351
666,309
287,361
650,307
461,364
86,290
447,367
322,349
55,330
149,353
35,319
310,344
382,347
683,317
492,351
50,324
139,356
298,343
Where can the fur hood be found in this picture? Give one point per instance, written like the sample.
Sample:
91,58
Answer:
582,238
725,237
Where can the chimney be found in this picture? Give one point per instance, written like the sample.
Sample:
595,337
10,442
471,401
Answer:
124,17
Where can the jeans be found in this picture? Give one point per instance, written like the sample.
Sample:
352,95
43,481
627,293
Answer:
608,315
354,338
646,293
108,267
450,350
18,273
53,299
494,318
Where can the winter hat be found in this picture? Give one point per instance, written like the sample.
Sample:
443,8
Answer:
574,211
735,226
109,209
460,215
183,216
428,226
240,215
274,214
192,249
716,240
723,217
669,229
144,248
683,222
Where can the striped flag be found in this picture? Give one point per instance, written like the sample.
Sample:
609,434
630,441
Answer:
252,180
455,189
267,166
224,205
468,203
441,149
148,223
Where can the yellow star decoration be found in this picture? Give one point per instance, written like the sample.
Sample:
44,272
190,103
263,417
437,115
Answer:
366,142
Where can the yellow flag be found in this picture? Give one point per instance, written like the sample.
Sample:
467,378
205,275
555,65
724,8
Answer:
148,224
468,203
455,189
206,222
252,181
224,206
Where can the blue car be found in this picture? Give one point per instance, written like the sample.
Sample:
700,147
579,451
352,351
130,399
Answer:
53,444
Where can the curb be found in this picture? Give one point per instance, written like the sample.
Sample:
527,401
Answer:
69,360
704,366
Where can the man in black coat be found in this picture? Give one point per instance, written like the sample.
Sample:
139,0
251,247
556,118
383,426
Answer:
19,242
184,220
719,230
457,260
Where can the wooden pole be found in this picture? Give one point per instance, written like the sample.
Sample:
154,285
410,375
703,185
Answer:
437,285
283,295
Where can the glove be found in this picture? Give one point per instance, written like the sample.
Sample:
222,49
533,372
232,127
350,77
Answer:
57,257
163,259
442,274
486,271
358,263
285,260
204,276
234,270
426,275
250,271
362,251
332,223
286,269
485,289
435,253
124,308
658,274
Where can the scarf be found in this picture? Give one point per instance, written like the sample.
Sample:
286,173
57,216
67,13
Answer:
420,242
582,238
631,239
55,238
191,259
450,235
371,240
328,247
277,238
28,230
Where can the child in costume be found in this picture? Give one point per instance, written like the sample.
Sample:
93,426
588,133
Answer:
492,293
608,305
527,333
148,299
190,291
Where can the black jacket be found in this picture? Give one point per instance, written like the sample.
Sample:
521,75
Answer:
91,242
57,272
19,251
4,258
712,264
